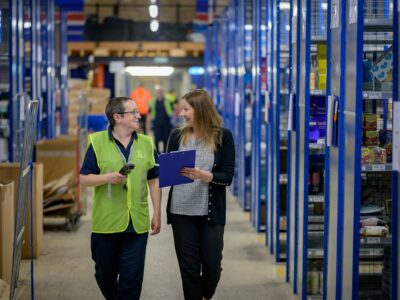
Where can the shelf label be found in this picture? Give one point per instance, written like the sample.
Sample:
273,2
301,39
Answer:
353,12
378,168
373,95
396,136
267,106
294,26
373,240
303,23
237,104
335,14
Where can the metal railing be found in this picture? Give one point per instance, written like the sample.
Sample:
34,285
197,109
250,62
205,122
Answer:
24,189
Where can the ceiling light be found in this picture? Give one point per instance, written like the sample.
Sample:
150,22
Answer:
154,25
248,27
149,71
153,11
196,70
153,1
324,6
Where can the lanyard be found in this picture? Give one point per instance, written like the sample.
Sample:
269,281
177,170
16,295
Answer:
122,155
125,187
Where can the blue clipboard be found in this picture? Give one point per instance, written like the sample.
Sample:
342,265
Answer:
171,165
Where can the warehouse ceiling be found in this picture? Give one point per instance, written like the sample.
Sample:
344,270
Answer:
171,11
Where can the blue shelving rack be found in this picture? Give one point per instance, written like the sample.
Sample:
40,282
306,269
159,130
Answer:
17,78
63,54
396,178
240,105
280,75
360,266
49,61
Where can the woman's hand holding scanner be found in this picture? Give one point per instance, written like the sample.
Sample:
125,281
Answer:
195,173
115,178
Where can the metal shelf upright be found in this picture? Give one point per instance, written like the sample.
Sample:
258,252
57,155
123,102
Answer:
63,62
280,75
293,147
256,152
395,174
268,117
240,106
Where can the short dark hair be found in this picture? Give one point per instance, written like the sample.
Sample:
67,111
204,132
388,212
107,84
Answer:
114,106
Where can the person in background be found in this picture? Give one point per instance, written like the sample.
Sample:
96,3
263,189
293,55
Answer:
161,112
142,97
120,216
197,211
171,97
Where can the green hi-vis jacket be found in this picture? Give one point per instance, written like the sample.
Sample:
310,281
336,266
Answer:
167,106
112,204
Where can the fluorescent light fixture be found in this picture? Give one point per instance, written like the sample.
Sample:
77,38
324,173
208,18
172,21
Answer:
153,1
284,5
248,27
324,6
27,25
196,70
153,11
154,25
149,71
263,27
269,25
287,27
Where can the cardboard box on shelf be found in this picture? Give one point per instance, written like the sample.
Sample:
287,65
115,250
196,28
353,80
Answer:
100,93
10,171
74,83
97,109
58,156
7,209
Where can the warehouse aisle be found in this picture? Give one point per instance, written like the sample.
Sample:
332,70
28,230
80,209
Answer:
65,269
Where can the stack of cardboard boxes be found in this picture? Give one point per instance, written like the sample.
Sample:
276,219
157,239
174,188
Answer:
59,158
9,172
97,99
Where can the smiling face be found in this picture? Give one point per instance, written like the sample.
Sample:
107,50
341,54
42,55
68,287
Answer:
130,116
187,113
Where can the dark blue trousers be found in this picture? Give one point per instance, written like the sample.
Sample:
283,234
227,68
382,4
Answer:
119,263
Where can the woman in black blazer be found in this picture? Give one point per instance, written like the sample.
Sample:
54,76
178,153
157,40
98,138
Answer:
197,211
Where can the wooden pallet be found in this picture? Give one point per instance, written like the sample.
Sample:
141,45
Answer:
136,49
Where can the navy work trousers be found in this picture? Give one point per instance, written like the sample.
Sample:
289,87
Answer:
119,263
198,246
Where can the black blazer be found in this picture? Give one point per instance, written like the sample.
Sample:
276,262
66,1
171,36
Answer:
223,171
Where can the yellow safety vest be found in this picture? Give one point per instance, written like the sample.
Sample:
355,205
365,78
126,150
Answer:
112,204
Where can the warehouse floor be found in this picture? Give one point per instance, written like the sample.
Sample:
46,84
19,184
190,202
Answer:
65,269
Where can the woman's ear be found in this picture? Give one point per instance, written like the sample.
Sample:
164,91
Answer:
116,117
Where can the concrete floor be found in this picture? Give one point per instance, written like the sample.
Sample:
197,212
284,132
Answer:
65,269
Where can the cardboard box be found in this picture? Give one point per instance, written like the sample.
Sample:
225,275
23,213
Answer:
58,156
7,209
74,83
10,171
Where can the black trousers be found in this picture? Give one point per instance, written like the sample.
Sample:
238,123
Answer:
119,264
161,134
142,122
198,246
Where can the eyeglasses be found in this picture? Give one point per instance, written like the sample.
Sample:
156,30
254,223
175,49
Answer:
133,112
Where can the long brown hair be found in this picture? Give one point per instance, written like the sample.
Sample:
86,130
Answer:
206,119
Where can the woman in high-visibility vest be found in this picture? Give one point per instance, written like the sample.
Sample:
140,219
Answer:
120,215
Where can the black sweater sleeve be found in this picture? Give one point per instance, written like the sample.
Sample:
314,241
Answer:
225,173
